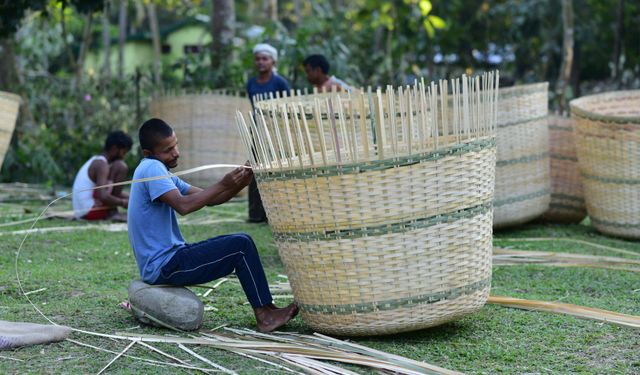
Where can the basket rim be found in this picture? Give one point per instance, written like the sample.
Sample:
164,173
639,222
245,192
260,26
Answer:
10,96
576,108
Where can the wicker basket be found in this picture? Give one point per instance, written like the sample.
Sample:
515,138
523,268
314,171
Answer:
608,144
567,198
380,209
205,127
9,107
523,183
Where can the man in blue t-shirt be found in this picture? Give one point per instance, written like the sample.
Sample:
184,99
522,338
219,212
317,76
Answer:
163,256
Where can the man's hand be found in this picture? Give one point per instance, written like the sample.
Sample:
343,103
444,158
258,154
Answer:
237,178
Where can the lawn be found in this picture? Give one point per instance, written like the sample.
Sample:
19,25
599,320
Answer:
86,273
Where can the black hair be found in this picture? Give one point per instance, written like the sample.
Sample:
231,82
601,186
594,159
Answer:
119,139
317,61
152,131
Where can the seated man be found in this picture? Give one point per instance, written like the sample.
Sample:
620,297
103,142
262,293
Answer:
316,67
106,168
161,253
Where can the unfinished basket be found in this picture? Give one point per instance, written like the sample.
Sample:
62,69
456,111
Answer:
9,106
567,198
381,203
523,183
206,131
608,144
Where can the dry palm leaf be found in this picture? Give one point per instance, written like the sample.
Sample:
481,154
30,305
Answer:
568,309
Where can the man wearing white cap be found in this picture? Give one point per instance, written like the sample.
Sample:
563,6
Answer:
267,82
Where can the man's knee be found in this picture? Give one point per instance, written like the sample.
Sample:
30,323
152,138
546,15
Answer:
118,171
246,240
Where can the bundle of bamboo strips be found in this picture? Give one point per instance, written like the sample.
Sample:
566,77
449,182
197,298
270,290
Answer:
380,202
288,352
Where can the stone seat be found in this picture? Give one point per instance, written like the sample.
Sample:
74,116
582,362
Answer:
165,306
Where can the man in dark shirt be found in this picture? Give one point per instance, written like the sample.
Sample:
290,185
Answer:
267,82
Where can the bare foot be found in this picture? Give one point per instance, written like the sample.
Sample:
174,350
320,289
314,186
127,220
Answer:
270,318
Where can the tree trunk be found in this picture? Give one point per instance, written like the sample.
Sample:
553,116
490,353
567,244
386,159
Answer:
106,41
65,39
617,42
122,36
8,71
297,11
223,25
155,36
567,54
84,47
271,9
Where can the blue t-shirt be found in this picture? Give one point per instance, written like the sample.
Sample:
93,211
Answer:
275,84
153,227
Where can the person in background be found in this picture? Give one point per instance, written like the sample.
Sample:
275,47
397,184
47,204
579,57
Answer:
106,168
316,67
266,82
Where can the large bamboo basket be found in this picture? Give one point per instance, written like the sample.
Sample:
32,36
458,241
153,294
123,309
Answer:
206,131
9,107
608,144
567,197
381,203
523,183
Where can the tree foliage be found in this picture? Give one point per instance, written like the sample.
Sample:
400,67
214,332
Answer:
368,42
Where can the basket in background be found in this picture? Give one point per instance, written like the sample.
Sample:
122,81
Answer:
206,131
523,183
380,203
607,130
9,107
567,197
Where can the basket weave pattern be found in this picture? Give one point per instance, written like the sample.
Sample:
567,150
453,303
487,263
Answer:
567,197
523,184
392,242
205,127
9,107
608,145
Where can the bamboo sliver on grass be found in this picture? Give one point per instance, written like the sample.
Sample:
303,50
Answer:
381,202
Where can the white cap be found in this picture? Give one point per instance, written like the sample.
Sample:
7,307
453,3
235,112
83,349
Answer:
266,48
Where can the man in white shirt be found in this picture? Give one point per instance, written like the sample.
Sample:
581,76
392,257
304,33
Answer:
106,168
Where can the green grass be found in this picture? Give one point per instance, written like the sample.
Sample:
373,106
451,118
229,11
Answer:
86,274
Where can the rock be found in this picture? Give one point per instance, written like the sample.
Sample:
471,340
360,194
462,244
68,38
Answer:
175,306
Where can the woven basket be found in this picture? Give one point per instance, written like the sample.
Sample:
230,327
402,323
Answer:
523,183
206,130
9,106
380,210
567,197
608,144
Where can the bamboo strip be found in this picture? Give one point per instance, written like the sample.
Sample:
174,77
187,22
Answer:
116,357
569,309
207,361
571,240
